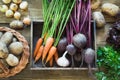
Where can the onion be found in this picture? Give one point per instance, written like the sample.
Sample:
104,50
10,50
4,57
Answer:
6,1
24,5
17,15
13,6
3,8
79,40
27,20
62,45
9,13
17,1
63,61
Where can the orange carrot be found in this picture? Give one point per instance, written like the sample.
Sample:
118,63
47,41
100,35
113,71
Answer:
56,56
40,51
38,44
47,47
51,53
51,62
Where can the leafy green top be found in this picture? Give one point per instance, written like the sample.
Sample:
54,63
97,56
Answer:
108,58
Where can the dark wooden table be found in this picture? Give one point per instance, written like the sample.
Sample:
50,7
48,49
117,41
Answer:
35,13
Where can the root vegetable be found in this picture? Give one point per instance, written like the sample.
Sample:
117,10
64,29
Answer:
9,13
27,20
13,6
110,9
62,45
77,57
7,38
1,34
89,56
17,1
24,5
48,45
6,1
95,4
79,40
14,40
16,24
99,18
63,61
71,51
17,15
3,8
3,50
16,48
38,45
12,60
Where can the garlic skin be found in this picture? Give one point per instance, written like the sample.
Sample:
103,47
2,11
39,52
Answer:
13,6
6,1
12,60
27,20
24,5
3,8
17,1
17,15
63,61
9,13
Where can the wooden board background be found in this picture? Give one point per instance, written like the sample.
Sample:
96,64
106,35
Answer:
35,13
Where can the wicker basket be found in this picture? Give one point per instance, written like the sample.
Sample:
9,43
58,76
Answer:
24,58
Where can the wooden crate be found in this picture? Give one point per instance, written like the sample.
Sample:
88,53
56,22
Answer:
36,30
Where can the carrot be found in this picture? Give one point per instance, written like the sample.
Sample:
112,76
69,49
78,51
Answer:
56,56
51,62
40,51
48,45
51,53
38,44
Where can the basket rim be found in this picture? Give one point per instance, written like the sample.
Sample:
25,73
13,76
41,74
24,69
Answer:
25,55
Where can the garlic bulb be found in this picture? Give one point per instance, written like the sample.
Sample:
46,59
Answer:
3,8
17,1
12,60
63,61
17,15
13,6
6,1
24,5
9,13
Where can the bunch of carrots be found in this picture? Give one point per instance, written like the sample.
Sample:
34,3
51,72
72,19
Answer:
55,14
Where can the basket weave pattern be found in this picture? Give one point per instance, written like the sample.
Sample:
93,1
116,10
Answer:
24,58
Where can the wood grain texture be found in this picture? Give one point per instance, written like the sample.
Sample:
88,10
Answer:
35,13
